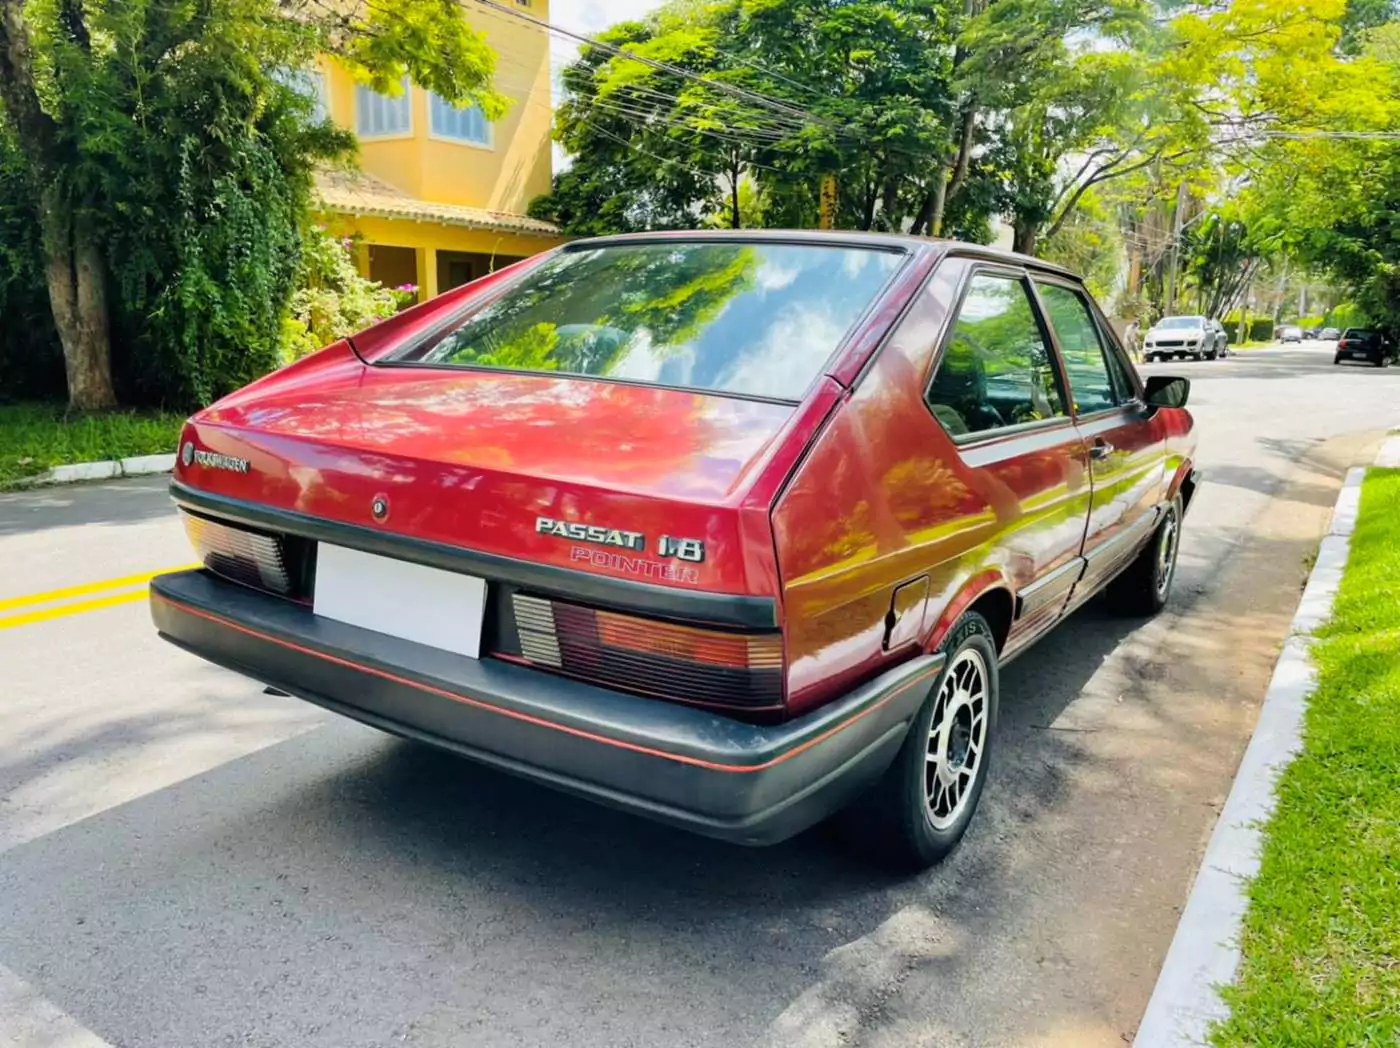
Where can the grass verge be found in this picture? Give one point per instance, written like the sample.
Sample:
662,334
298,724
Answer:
36,437
1321,940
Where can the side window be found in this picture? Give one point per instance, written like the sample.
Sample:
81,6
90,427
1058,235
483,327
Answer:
1092,384
996,370
379,115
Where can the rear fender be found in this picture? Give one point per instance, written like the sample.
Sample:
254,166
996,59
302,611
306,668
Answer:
1183,483
989,581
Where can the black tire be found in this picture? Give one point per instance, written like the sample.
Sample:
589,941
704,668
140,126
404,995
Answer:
1211,354
896,818
1145,585
1336,360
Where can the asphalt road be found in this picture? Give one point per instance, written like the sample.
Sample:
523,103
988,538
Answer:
188,862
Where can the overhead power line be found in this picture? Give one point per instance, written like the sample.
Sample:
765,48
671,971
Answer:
774,105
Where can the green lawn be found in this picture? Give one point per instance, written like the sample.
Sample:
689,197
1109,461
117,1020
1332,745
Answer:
34,437
1322,936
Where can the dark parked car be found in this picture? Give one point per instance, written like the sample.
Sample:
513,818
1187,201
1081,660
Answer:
1365,344
729,530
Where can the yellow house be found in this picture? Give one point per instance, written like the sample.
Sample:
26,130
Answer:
442,193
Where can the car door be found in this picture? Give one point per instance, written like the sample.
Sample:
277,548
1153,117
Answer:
998,391
1127,442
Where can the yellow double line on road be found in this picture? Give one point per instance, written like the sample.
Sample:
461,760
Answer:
55,604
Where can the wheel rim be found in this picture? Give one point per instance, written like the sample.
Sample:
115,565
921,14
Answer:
1166,554
957,739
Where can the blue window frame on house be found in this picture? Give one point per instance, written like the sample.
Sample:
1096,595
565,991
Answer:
379,116
459,124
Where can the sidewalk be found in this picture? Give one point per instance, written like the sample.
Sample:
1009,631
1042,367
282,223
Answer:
1290,935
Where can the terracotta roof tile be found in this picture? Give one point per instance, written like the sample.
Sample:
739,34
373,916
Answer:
356,193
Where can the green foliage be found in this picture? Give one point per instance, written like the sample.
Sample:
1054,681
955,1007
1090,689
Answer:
332,300
1220,254
176,132
1090,244
36,437
1261,329
868,96
31,363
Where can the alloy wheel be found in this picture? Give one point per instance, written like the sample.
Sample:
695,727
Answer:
957,741
1166,554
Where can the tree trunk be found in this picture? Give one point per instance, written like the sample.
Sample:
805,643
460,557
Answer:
947,188
1024,233
889,200
77,280
938,202
921,220
872,197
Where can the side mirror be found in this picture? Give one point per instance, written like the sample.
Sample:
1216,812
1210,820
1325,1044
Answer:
1166,392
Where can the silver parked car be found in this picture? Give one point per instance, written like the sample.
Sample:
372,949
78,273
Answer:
1196,337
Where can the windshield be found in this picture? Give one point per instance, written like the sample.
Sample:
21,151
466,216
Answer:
759,319
1172,323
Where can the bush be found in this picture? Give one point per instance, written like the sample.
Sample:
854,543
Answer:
332,300
1232,329
1261,329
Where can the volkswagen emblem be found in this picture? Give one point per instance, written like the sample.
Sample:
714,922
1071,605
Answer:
379,508
187,453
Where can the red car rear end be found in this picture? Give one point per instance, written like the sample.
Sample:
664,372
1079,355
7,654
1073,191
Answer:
649,520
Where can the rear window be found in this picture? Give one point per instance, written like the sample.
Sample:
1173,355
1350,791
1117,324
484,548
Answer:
1358,333
758,319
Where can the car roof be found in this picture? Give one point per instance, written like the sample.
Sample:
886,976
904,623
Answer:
843,237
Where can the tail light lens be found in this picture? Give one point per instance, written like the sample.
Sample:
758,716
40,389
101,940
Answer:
684,663
249,557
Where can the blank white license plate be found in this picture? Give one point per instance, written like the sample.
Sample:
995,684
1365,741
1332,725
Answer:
409,601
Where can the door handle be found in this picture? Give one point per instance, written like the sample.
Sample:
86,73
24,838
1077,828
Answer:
1100,450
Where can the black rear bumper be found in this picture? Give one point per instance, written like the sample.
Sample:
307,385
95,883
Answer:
707,773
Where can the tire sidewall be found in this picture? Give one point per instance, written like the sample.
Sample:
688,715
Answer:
1161,596
933,844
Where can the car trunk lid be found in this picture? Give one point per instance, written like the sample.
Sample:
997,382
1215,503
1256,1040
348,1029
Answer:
550,470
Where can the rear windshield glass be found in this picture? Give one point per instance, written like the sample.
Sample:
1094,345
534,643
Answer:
1358,333
759,319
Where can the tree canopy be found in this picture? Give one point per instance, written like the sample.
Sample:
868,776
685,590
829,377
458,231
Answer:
169,154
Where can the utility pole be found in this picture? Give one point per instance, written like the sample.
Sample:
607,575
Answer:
828,199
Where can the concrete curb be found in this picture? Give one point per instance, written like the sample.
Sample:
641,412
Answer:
1205,952
138,466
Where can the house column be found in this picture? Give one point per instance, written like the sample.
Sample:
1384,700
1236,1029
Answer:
362,257
427,273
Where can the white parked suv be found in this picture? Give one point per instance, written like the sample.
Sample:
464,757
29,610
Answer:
1194,337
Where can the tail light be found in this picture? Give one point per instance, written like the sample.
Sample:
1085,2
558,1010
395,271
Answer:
684,663
249,557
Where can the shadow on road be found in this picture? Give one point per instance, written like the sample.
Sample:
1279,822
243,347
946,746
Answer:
75,505
345,874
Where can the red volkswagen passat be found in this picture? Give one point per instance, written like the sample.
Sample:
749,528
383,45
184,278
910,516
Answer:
728,530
